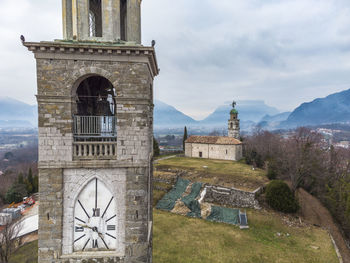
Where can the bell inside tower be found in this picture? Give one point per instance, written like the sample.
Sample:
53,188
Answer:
95,117
95,18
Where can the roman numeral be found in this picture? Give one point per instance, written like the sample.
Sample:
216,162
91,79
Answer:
95,212
94,243
79,229
110,227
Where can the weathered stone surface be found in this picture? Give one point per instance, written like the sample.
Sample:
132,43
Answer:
231,196
61,176
214,151
76,23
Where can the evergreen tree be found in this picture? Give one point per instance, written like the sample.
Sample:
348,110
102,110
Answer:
20,179
35,184
16,193
30,176
156,150
184,138
29,186
30,181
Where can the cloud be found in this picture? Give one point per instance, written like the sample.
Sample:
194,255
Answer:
283,52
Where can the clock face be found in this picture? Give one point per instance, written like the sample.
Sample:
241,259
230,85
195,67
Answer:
95,219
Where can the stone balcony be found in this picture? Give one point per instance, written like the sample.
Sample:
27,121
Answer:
95,137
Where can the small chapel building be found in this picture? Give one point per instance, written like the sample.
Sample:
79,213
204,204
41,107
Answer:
218,147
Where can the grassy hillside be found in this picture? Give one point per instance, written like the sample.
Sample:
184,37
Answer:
272,237
216,172
178,239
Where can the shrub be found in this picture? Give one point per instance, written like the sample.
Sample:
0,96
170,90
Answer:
272,170
253,158
280,197
16,193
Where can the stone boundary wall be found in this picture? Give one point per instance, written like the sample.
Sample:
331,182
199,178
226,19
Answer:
232,196
336,248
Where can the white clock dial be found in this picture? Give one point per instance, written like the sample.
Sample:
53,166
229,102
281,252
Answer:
95,219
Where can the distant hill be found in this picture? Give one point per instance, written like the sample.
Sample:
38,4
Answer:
249,110
167,116
334,108
269,122
14,113
16,124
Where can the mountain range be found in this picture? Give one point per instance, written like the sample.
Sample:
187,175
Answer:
17,114
334,108
249,112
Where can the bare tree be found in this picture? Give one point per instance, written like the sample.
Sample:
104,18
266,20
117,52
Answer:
303,158
214,132
8,240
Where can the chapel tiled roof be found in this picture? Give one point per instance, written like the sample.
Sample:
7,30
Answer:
213,140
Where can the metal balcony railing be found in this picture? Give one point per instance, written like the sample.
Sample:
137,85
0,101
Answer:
95,126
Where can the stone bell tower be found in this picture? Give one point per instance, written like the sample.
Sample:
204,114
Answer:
95,103
233,123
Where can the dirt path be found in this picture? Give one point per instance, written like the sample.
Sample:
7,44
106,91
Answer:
164,158
315,213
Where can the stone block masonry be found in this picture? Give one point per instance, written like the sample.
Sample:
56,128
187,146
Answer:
61,67
231,197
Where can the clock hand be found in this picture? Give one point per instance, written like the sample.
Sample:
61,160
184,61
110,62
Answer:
86,226
92,228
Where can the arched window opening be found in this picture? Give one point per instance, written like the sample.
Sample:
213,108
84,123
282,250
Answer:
95,18
95,117
123,17
231,125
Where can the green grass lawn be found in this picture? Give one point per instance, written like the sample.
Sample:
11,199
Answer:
179,239
28,253
224,173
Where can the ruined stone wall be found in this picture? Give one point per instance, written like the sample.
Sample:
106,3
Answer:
231,197
58,76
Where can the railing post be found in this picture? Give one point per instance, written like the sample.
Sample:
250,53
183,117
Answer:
79,150
90,150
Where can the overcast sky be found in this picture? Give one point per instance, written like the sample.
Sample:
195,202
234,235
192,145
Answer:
284,52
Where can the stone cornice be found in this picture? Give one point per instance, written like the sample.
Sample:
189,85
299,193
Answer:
102,50
65,99
92,164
